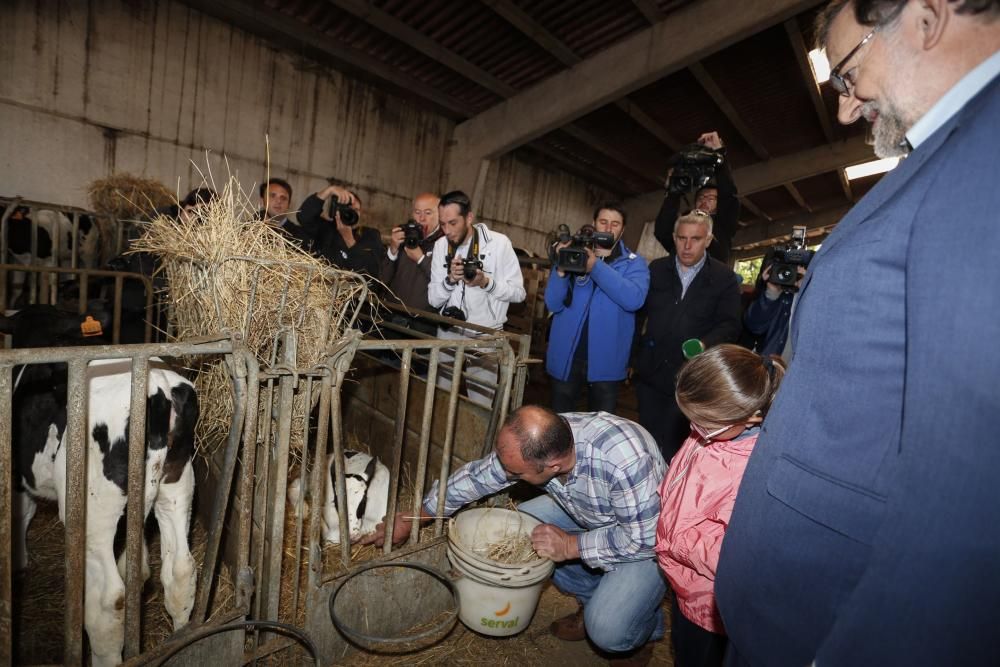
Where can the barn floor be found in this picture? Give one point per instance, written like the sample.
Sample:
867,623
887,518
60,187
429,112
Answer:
533,647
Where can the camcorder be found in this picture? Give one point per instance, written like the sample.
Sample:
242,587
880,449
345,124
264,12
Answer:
573,258
348,215
693,167
413,233
786,260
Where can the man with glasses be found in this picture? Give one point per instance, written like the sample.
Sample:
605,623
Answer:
866,527
691,297
593,318
718,199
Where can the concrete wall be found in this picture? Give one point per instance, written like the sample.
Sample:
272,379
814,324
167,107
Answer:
148,87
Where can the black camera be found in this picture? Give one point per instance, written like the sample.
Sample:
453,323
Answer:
454,312
348,215
786,260
469,267
693,167
413,233
573,259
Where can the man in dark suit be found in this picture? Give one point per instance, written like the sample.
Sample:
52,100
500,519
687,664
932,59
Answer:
867,527
691,296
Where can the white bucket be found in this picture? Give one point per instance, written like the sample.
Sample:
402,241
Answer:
495,598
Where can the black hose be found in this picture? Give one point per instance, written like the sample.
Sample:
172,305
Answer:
280,628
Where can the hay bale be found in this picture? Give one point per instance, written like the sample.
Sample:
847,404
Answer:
125,196
229,271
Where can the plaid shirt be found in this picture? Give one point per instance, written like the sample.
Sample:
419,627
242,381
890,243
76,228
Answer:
612,491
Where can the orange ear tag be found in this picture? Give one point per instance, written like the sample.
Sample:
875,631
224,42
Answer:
91,327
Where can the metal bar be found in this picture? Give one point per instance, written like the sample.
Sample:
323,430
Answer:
56,355
397,445
271,575
135,506
237,373
11,206
260,492
247,472
6,519
339,481
75,509
425,440
449,442
297,545
315,554
116,318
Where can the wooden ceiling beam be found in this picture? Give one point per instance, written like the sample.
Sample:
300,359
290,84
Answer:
769,233
561,52
650,10
797,196
599,177
845,185
430,48
805,164
753,208
706,81
805,69
694,31
299,38
626,160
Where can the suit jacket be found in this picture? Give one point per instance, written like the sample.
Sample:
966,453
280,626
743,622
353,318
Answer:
867,527
710,311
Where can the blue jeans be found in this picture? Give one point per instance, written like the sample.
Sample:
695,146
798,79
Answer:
621,608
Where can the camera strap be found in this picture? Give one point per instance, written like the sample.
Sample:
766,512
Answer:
473,247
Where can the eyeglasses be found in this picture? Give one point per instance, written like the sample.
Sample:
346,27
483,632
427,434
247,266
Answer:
844,83
705,435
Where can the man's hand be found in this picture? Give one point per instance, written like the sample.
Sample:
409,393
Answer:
481,280
710,140
557,246
554,543
396,239
346,232
456,272
415,253
591,259
401,528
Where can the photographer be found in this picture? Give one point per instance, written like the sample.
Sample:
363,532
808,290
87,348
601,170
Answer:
406,264
767,317
717,198
593,316
475,275
341,239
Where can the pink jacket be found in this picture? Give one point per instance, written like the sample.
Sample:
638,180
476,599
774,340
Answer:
696,502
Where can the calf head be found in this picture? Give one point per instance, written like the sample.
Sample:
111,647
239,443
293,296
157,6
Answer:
46,326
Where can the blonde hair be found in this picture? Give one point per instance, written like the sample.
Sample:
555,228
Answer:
728,384
695,217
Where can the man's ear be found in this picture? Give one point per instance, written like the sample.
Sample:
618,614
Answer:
933,18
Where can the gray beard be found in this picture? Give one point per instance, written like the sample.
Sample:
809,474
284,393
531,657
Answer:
889,130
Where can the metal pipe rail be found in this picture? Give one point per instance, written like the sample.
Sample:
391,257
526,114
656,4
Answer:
77,359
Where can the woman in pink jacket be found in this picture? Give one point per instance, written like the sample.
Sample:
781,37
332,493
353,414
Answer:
725,392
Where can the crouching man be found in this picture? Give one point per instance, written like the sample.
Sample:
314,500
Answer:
600,474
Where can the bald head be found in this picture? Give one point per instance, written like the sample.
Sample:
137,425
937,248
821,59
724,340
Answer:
541,433
425,211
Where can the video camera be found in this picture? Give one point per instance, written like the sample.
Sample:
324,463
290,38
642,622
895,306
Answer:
573,259
787,258
693,167
413,233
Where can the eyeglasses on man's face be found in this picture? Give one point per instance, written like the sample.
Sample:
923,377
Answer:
844,83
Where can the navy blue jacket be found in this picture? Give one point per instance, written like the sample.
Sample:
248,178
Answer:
867,526
609,295
769,319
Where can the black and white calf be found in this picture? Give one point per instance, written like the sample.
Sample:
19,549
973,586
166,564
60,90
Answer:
39,450
367,482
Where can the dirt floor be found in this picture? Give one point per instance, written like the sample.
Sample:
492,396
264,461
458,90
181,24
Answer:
533,647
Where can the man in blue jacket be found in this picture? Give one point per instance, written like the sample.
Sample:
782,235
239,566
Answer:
866,527
594,318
